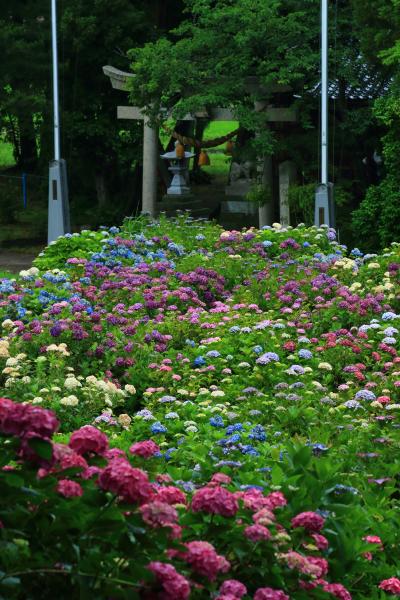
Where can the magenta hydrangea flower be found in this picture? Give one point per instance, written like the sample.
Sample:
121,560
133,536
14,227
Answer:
215,500
145,449
69,488
131,485
257,533
204,560
233,587
19,419
391,585
268,593
158,514
88,439
175,586
309,520
171,495
338,590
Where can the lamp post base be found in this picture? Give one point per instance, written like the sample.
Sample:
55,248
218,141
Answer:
58,215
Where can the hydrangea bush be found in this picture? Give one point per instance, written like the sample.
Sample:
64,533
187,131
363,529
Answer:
190,412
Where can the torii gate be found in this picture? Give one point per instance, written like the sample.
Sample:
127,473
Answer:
119,80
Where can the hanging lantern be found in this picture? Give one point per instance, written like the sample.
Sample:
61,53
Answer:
179,150
229,147
204,159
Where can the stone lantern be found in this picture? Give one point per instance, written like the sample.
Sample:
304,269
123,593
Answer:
179,167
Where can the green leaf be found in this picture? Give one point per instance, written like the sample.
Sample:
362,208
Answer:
42,448
13,480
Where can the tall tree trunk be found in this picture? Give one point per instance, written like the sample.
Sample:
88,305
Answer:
27,142
101,189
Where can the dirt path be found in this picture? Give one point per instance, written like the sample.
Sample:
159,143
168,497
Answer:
15,261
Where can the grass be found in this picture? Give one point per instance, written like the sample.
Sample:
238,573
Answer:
6,155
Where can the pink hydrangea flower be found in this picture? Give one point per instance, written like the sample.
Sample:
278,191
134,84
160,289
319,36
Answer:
391,585
337,590
204,560
320,563
215,500
175,586
69,488
264,517
144,449
171,495
295,560
220,478
270,594
252,499
274,500
373,539
233,587
158,514
19,419
66,458
309,520
320,541
114,453
120,478
88,439
90,472
256,533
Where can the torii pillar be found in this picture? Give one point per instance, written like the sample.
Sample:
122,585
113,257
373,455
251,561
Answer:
150,160
150,145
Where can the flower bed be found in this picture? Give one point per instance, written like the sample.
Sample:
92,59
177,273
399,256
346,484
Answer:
190,412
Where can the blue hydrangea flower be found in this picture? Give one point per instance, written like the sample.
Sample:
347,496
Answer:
389,316
157,427
352,404
166,399
213,354
365,395
306,354
199,361
267,243
258,433
258,349
266,358
145,414
318,449
232,428
172,415
169,452
249,449
217,421
342,489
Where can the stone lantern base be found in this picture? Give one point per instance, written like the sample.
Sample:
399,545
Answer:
171,203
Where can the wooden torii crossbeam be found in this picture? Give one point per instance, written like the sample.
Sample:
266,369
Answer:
119,80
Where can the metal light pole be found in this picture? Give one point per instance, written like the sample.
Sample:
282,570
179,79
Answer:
58,215
324,202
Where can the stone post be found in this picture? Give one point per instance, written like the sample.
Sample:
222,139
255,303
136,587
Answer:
150,160
265,211
287,174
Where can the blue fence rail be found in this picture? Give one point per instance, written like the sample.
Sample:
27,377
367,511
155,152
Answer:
26,185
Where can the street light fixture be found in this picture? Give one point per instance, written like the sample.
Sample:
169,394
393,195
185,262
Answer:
324,200
58,214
